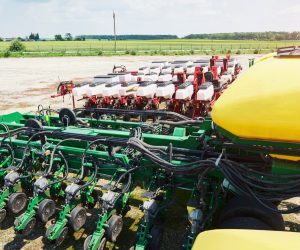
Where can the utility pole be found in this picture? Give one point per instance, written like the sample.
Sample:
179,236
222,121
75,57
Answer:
114,17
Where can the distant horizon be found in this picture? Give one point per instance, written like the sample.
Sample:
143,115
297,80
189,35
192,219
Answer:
144,34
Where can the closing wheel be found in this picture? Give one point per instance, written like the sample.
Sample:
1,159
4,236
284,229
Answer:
2,214
156,237
77,218
62,236
87,242
102,244
48,231
29,227
115,225
17,202
46,210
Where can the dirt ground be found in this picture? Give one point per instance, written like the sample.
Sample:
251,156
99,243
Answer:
27,82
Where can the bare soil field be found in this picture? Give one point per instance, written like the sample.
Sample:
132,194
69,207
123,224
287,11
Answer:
27,82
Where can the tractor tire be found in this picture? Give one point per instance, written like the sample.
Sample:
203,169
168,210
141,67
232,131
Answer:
115,225
77,218
29,227
2,214
62,236
46,210
156,237
247,207
17,202
245,223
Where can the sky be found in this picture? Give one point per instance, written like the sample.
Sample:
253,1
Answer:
178,17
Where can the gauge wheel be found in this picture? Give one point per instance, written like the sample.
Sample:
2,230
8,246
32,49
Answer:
17,202
46,210
77,218
115,225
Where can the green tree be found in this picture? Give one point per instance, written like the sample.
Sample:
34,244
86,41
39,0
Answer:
31,36
68,37
16,46
58,37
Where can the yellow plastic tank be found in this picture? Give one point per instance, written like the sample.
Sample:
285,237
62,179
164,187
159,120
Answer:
237,239
264,102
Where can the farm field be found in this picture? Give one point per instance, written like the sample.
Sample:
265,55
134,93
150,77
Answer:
146,47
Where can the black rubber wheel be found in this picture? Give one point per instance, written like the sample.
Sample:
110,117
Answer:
247,207
63,235
245,223
46,210
77,218
29,227
115,225
67,116
17,202
2,214
156,237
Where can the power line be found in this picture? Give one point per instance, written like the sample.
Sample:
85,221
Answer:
114,17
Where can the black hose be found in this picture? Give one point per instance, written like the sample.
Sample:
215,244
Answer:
65,175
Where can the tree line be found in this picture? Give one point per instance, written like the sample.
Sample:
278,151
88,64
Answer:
128,37
268,35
